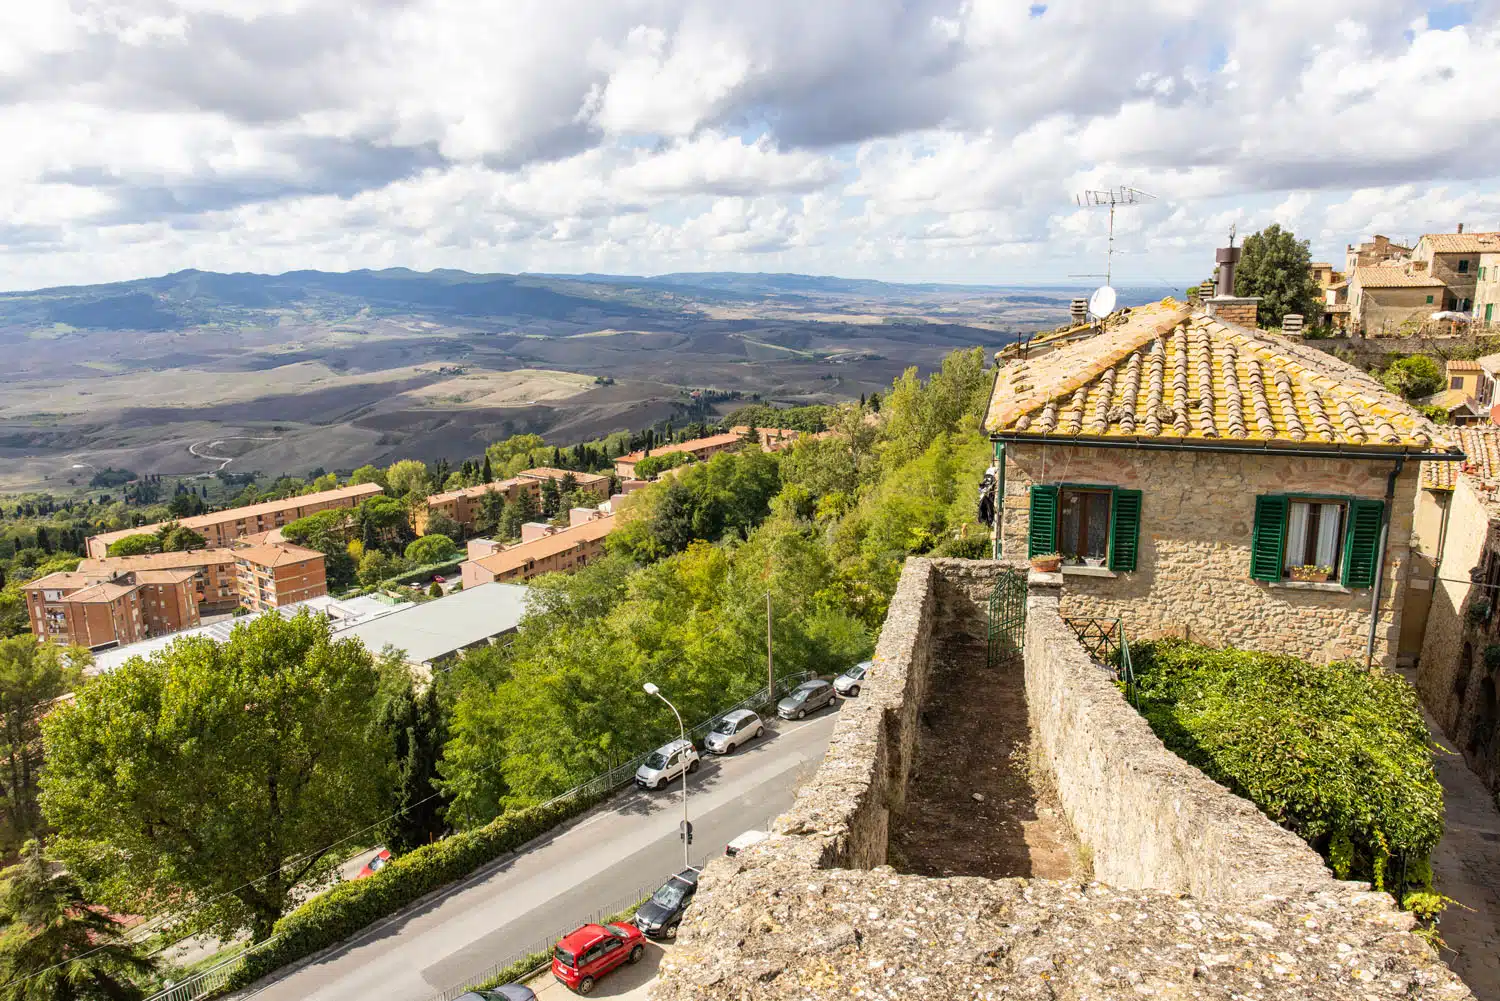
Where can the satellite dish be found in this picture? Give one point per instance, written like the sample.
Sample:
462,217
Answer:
1102,302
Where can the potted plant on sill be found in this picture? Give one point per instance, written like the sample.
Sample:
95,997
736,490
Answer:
1311,573
1046,562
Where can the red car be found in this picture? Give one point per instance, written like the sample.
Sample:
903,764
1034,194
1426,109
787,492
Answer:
584,955
439,579
375,864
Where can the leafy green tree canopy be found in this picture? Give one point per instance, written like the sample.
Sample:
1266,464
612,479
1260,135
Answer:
179,538
135,545
409,476
1277,266
653,465
219,770
430,548
32,674
1414,377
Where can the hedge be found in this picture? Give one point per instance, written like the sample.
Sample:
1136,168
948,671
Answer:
1337,754
347,908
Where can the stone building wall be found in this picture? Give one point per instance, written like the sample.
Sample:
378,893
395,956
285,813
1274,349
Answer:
1386,311
802,916
1193,571
1151,819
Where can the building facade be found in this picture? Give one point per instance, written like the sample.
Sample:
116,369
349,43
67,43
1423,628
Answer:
1377,251
213,573
220,528
102,610
561,550
596,485
1388,300
273,576
465,504
1208,479
699,448
1455,260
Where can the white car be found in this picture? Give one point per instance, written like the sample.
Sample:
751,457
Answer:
666,763
736,728
847,684
744,841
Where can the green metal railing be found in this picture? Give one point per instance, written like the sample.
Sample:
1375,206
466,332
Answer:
1105,641
1007,622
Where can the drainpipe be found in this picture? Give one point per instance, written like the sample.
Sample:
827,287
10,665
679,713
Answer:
1385,525
999,497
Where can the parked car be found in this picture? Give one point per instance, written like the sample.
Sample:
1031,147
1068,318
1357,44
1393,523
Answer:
744,841
438,578
736,728
660,916
666,763
585,954
375,864
805,698
847,684
505,992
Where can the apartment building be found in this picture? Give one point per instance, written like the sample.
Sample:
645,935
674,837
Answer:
101,610
1487,289
1455,260
464,504
273,576
595,484
558,550
220,528
699,448
213,573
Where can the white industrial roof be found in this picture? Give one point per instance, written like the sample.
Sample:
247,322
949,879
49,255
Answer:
435,629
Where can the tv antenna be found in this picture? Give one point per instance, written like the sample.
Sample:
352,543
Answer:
1111,198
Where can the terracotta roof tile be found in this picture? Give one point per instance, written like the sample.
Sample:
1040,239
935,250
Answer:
1172,374
1393,277
1461,243
1481,446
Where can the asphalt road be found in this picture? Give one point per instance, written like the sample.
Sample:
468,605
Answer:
629,843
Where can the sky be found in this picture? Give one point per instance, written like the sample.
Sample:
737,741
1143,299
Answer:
926,140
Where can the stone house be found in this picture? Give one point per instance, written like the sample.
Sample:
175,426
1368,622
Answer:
1377,251
1487,289
1387,298
1454,259
1458,528
1205,478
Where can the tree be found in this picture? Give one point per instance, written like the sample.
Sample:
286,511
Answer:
439,523
135,545
430,548
409,476
56,945
1414,377
383,521
488,472
550,497
32,674
414,725
1276,266
367,474
435,591
517,513
491,509
654,465
374,567
222,771
179,539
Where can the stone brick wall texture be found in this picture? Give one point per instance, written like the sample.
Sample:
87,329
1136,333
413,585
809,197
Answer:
1151,819
811,914
1193,571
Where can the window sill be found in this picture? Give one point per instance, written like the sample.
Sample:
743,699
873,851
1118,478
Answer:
1328,587
1089,571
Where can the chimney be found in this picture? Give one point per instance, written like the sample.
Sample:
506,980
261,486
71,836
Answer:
1225,305
1227,259
1460,229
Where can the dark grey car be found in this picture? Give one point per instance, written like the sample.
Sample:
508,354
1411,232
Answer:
805,698
505,992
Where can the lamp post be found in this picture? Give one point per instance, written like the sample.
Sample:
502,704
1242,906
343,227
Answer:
651,689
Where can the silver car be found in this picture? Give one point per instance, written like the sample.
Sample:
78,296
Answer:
736,728
666,763
805,698
847,684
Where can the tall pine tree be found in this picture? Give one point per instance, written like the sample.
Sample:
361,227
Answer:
414,724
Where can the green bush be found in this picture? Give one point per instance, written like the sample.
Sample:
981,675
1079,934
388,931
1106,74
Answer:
1337,754
332,917
971,547
653,465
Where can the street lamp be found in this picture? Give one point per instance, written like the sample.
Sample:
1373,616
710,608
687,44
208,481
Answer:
651,689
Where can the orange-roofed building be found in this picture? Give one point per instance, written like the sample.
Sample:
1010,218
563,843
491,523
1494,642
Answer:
272,576
562,550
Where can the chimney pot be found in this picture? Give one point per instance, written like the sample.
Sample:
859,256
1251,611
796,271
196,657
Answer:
1460,229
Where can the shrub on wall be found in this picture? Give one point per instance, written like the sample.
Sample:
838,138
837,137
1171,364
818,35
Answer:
1337,754
332,917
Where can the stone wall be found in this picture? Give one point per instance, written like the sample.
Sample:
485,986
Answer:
1151,819
1193,571
801,916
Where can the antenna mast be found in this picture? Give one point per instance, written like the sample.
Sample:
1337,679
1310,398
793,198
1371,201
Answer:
1111,198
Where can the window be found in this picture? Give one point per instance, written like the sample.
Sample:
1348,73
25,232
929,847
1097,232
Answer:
1096,523
1083,531
1457,382
1481,273
1489,312
1316,539
1429,300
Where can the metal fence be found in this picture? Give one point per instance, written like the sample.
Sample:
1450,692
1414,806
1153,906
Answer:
209,980
1105,641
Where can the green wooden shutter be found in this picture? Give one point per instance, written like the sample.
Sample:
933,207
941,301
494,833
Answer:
1124,530
1042,537
1362,542
1268,542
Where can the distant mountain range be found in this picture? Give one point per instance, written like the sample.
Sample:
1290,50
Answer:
195,298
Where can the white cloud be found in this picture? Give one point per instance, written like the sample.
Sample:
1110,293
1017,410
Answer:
895,138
